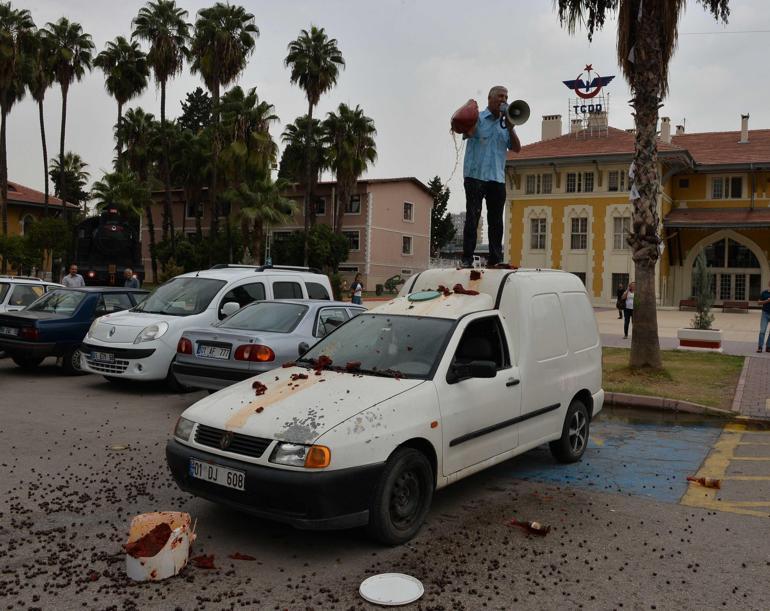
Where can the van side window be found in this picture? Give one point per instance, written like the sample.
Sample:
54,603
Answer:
316,291
549,337
287,290
579,316
483,340
243,295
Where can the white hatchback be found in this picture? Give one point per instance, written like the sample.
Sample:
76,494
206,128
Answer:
140,344
465,369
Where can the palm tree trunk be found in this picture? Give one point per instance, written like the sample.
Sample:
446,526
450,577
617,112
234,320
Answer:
645,345
3,184
45,155
151,231
62,190
256,242
117,133
308,178
168,217
198,212
213,204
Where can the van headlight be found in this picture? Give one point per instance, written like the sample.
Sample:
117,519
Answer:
91,329
183,429
152,332
299,455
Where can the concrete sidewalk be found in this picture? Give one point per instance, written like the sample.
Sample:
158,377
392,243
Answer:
739,337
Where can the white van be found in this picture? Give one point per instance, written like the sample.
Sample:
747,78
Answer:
140,343
463,370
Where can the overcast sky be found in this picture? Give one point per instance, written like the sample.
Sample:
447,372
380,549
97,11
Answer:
410,64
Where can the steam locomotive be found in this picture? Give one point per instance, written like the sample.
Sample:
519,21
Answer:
105,245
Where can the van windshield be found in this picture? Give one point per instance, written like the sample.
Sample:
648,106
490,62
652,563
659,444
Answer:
384,345
181,297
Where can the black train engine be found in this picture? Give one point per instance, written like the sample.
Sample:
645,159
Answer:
105,245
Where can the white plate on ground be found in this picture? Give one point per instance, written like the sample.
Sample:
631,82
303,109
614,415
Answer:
391,589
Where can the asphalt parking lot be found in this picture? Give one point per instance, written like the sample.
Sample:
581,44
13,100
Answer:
81,456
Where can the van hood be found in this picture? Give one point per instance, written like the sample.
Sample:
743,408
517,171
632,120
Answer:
127,325
297,405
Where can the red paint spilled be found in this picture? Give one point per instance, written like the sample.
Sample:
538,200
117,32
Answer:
239,556
259,410
259,388
151,543
153,574
203,561
93,576
298,376
288,364
706,482
352,365
461,290
475,274
442,289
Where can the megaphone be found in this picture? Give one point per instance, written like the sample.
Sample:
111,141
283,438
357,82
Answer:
515,113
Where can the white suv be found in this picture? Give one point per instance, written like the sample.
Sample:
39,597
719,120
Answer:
140,344
17,292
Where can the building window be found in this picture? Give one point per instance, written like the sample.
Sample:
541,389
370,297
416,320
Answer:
537,228
530,188
727,187
538,183
616,181
571,182
547,183
619,280
408,211
26,223
588,182
582,276
281,236
190,209
348,269
406,245
621,228
320,206
579,237
580,182
353,239
354,205
406,272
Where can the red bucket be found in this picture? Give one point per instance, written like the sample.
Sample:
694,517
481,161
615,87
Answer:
465,118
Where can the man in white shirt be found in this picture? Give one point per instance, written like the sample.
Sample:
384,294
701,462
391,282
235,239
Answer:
73,280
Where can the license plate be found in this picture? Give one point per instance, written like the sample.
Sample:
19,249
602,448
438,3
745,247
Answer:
214,352
217,474
103,357
9,331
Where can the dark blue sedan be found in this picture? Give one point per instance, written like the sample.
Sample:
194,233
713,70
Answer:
57,323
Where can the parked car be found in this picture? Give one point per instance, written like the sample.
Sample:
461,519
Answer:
257,338
55,324
409,397
141,344
17,292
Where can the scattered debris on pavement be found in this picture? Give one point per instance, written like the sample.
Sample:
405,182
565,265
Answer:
533,528
706,482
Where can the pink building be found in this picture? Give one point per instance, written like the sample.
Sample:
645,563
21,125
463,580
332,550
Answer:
387,222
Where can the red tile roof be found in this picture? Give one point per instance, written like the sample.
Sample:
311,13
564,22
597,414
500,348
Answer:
19,194
716,148
718,217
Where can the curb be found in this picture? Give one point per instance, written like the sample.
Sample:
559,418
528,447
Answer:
664,404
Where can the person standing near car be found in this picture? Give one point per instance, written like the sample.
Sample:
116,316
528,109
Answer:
132,282
356,290
628,309
73,280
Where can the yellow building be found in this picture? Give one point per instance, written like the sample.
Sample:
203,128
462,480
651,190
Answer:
569,207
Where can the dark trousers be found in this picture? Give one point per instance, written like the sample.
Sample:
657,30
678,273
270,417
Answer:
494,193
628,314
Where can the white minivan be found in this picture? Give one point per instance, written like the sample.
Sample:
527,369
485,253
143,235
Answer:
463,370
141,343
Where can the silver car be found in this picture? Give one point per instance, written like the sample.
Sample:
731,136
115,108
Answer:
257,338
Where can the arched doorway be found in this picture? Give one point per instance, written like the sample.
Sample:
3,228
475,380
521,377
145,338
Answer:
735,267
26,221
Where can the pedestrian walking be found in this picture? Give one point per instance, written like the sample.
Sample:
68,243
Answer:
619,304
356,290
73,280
628,308
764,301
132,282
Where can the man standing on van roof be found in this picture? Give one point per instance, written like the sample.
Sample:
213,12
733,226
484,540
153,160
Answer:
484,172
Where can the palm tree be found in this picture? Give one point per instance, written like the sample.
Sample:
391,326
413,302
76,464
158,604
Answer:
647,37
350,136
314,60
126,72
162,24
71,57
292,167
124,191
223,40
70,178
40,79
190,167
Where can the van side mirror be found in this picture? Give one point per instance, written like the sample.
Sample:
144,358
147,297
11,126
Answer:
231,307
303,348
474,369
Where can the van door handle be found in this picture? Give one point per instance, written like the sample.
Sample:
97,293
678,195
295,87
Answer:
512,382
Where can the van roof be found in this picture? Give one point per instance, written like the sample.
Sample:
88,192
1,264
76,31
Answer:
235,273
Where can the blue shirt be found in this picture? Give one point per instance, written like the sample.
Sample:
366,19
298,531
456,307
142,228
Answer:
765,295
485,150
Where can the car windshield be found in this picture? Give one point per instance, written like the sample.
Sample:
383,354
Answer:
385,345
181,297
266,317
58,302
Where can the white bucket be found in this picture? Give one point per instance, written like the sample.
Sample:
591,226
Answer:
172,558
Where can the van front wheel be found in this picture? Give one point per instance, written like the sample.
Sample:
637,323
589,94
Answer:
574,435
402,497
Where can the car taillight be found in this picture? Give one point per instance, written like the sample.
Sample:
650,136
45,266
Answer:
184,346
254,352
29,332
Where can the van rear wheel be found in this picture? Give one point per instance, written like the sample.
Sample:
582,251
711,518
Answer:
402,497
574,435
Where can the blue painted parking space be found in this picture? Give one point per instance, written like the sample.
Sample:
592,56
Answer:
651,459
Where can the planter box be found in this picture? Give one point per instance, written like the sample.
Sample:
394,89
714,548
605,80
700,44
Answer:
700,339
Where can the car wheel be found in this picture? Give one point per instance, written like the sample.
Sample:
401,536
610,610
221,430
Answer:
71,362
175,385
402,497
27,362
574,434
